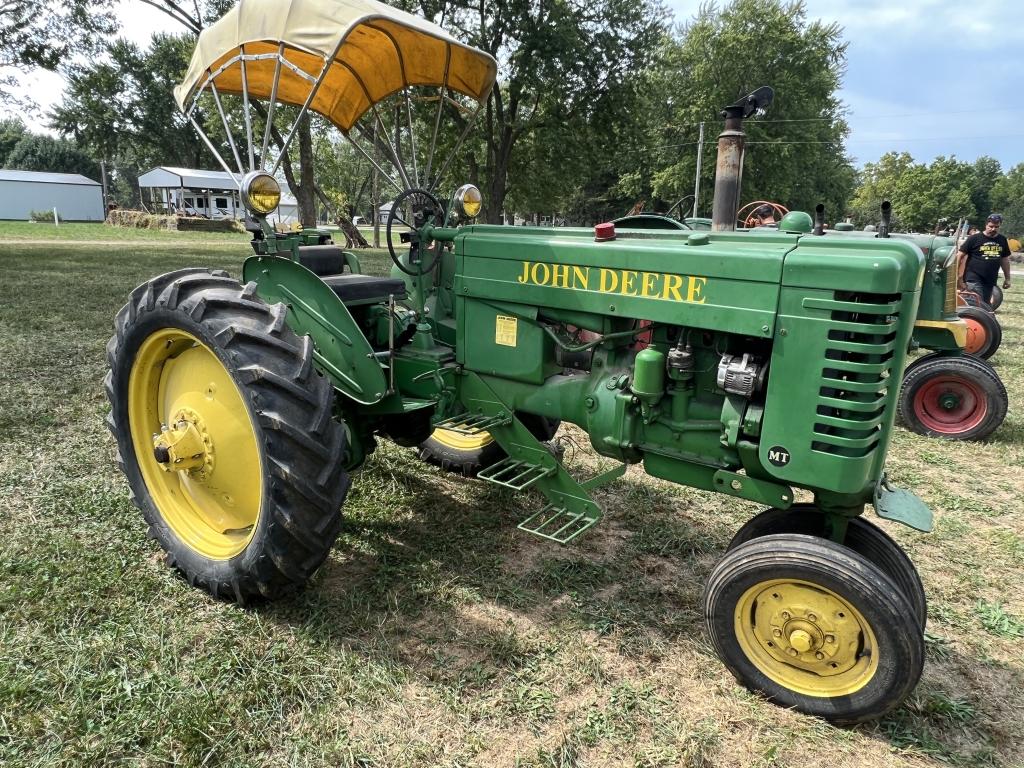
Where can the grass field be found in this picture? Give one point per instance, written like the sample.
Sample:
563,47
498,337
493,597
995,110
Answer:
436,634
33,231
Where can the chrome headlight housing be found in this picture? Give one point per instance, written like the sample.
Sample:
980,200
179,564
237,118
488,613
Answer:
468,201
261,193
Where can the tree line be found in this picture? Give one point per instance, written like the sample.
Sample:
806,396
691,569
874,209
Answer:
597,111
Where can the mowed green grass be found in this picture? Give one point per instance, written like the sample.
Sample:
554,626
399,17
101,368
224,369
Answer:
83,232
436,634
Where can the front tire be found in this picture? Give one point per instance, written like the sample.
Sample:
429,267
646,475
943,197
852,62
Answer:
984,334
955,397
252,507
864,538
813,626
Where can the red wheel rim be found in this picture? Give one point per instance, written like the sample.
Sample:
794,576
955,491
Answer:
950,404
977,338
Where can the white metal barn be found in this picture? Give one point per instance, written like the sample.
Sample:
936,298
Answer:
210,194
75,197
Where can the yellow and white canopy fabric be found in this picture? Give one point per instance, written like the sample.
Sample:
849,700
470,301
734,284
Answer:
371,50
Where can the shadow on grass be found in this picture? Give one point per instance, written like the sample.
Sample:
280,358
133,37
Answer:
444,587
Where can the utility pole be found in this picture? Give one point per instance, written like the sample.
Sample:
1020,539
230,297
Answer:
103,178
700,160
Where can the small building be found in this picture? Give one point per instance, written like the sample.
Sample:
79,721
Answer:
208,194
75,197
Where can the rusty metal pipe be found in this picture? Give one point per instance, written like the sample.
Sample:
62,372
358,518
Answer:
728,175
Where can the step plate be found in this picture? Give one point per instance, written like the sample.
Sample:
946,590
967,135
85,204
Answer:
515,474
471,423
557,524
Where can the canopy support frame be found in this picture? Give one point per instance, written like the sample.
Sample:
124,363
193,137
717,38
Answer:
227,128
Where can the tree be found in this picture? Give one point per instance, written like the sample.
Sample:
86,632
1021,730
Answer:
795,155
986,173
12,131
47,34
557,63
45,153
878,182
920,194
1008,199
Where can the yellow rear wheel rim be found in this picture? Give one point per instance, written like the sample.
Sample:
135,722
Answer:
460,442
806,638
214,507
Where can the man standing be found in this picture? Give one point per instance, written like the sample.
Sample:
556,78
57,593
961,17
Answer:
981,255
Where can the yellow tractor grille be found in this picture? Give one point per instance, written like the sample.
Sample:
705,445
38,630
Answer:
852,399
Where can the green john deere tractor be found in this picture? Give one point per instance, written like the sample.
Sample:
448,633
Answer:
240,408
952,392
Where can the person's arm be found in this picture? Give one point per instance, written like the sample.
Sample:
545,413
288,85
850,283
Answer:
1005,263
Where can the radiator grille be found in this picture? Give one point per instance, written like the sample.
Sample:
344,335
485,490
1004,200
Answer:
949,304
853,395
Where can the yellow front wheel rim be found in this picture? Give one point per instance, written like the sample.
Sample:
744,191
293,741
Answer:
177,384
459,442
806,638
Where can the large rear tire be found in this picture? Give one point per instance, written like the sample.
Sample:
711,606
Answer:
814,626
984,333
224,431
862,537
955,397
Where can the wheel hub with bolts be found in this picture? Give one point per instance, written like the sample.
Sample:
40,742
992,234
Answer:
187,447
803,632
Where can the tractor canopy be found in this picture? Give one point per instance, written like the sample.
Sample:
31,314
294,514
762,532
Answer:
340,56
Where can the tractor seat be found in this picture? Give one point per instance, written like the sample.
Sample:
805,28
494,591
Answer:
328,263
365,289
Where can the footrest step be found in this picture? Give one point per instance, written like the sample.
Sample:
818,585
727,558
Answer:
557,524
471,423
515,474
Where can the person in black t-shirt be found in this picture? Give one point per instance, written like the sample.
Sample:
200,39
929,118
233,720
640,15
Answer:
981,256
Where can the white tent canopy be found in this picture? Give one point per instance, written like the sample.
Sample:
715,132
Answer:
169,177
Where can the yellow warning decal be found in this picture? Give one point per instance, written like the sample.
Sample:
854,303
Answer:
505,330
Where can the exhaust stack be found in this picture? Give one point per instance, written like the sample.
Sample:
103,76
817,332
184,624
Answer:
729,167
819,219
883,229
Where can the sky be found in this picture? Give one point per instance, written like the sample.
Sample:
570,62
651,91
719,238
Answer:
929,77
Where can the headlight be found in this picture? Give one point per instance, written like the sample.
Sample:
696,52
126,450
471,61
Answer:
950,258
260,192
468,201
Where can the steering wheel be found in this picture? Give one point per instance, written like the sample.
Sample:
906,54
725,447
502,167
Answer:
425,209
679,206
745,215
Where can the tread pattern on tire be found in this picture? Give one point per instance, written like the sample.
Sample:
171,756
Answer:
862,536
917,373
302,447
843,571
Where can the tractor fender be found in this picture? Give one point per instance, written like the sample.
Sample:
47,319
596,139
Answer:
340,349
